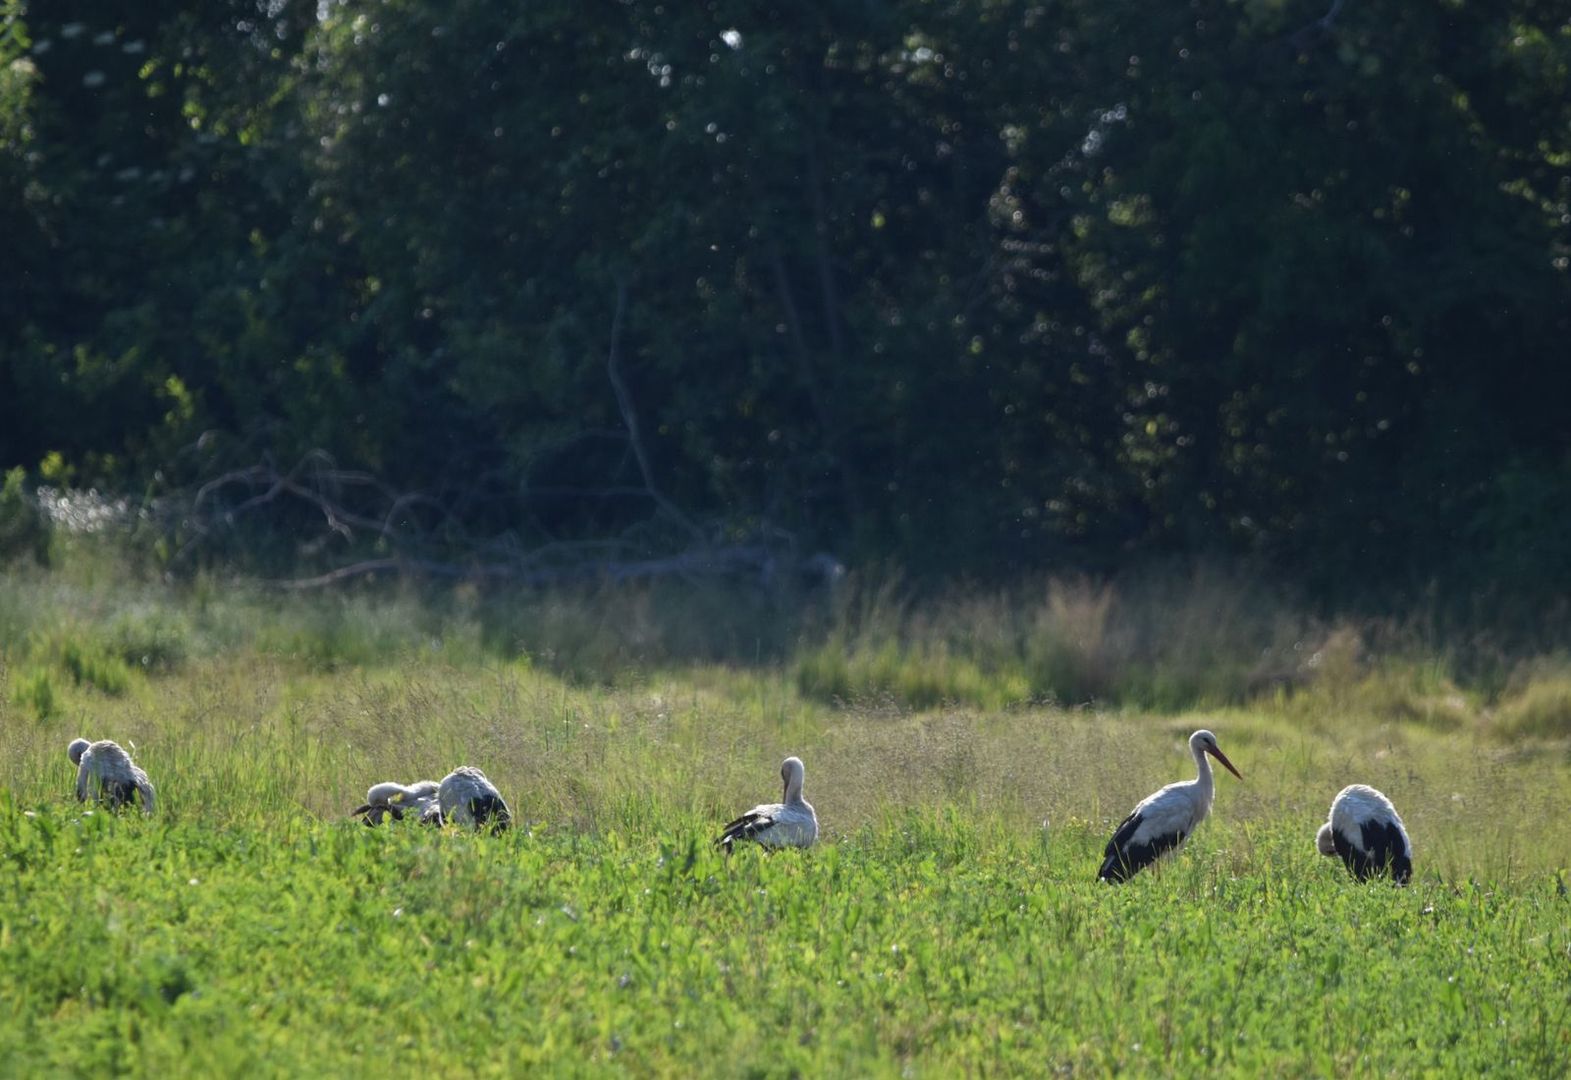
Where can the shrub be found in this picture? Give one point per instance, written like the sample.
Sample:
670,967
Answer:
87,660
34,690
1070,652
151,638
23,529
1541,708
1166,643
89,663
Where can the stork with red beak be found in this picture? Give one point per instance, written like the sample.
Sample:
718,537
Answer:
1164,820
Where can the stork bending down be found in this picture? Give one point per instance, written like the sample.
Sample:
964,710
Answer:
1161,822
788,823
1366,831
106,772
467,797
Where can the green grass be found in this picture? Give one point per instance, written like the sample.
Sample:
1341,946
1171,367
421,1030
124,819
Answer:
929,945
1542,708
947,925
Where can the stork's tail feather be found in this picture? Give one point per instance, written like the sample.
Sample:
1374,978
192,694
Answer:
490,808
746,827
118,794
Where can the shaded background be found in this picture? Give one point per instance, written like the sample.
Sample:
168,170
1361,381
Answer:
971,289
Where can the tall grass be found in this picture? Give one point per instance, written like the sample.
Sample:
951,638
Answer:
233,737
1150,642
590,634
1537,704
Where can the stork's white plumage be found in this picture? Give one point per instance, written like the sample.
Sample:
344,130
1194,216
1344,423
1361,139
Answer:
465,796
1365,830
106,772
788,823
396,801
1161,822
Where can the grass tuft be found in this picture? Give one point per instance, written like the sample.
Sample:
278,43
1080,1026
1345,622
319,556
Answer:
1541,709
85,658
34,691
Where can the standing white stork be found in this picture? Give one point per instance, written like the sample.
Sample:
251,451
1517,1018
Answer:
1366,831
111,774
467,797
390,800
1161,821
788,823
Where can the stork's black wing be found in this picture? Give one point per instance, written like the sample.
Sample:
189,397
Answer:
484,808
1115,862
746,827
1386,849
1125,858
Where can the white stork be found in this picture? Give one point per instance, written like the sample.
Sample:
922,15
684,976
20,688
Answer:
390,800
467,797
110,773
1366,831
1161,821
788,823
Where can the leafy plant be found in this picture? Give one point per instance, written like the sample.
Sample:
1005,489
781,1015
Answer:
23,530
34,690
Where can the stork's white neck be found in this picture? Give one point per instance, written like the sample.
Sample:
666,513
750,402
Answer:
793,786
1204,782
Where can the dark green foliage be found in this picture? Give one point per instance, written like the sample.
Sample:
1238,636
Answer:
968,288
23,530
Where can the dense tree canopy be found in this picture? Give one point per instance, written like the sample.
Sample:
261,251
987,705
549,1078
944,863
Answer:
961,286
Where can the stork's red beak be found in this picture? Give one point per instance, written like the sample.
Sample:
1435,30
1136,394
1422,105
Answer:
1217,753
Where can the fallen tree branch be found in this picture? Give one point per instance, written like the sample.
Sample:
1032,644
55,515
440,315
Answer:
739,560
624,401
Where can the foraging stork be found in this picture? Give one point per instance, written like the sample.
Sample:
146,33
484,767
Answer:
1366,831
1161,821
788,823
111,773
467,797
390,800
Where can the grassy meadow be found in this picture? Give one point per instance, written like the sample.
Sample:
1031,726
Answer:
967,755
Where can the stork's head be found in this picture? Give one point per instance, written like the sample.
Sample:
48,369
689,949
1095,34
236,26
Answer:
1203,741
792,773
1324,841
75,751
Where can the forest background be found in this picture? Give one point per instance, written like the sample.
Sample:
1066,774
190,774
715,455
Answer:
968,290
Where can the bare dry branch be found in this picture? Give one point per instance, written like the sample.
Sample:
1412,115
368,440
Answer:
624,401
740,560
1313,32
